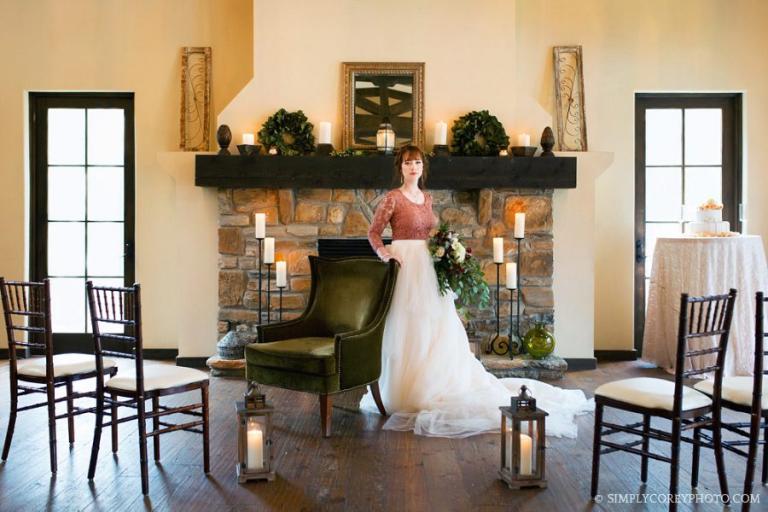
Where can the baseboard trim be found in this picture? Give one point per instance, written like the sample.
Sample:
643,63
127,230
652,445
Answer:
160,353
576,364
191,362
616,355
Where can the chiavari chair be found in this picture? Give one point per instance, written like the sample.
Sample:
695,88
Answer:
116,321
701,318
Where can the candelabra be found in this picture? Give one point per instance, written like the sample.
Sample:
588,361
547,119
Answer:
269,289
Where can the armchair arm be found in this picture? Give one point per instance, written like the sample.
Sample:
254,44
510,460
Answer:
300,327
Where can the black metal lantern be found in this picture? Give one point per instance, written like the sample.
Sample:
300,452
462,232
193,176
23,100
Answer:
385,137
522,442
254,437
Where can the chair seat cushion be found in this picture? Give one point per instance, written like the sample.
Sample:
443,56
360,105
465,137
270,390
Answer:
64,365
736,389
157,376
651,393
315,356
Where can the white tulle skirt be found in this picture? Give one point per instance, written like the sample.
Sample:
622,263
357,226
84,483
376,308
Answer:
431,382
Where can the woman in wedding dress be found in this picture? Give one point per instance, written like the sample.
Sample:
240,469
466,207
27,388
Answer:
430,381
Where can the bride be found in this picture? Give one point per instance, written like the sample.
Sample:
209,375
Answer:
430,381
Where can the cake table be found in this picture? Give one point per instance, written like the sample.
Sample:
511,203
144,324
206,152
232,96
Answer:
704,266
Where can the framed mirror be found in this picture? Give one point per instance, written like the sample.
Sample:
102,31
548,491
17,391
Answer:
374,91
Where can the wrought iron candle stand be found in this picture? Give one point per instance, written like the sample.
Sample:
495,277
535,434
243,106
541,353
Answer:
512,338
498,345
280,304
269,290
261,257
518,339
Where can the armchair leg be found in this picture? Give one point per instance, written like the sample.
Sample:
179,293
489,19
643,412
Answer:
325,415
377,397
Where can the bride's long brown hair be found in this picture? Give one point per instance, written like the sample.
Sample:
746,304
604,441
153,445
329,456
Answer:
409,152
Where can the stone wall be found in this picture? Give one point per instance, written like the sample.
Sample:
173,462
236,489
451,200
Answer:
297,218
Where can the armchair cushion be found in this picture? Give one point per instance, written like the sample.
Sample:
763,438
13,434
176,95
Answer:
312,355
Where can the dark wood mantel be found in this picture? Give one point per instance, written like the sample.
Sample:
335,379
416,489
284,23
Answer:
455,173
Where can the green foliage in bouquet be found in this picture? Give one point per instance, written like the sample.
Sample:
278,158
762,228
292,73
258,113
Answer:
478,134
457,269
289,132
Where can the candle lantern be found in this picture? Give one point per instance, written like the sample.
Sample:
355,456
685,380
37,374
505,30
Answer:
254,437
385,137
522,442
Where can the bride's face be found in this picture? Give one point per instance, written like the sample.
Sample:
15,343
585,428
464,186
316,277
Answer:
412,169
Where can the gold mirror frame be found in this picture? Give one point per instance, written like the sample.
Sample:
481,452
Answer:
352,70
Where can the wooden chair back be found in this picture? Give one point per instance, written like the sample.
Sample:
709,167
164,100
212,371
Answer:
116,323
760,335
703,317
27,313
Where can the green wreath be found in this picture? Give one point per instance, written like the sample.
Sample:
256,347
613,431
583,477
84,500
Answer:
289,132
478,134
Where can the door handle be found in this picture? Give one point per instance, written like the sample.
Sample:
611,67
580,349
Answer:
639,251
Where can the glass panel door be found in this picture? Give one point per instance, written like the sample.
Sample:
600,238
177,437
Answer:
83,203
686,153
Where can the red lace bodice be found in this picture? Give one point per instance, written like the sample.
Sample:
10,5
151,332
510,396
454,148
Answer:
409,221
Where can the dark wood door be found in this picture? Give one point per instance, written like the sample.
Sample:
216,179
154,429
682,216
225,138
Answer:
687,150
82,202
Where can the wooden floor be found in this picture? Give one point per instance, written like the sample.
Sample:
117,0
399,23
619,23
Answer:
360,468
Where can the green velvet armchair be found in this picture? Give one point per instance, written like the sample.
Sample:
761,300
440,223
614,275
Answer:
335,345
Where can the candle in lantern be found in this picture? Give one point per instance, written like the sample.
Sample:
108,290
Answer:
269,250
526,455
520,225
511,276
498,250
261,225
523,139
282,277
325,132
441,133
248,138
255,446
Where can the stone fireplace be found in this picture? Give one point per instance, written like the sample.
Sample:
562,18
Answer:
297,218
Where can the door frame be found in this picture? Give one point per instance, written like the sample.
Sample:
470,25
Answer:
38,196
731,103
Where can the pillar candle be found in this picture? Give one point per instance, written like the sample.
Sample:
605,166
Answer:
248,138
255,446
269,250
325,132
526,455
511,276
520,225
498,250
282,277
523,139
261,225
441,133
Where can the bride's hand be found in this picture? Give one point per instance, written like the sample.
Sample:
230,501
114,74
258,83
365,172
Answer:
385,256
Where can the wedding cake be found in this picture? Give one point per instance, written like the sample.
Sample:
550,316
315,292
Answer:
709,220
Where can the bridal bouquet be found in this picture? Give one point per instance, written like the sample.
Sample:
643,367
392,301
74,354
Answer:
457,269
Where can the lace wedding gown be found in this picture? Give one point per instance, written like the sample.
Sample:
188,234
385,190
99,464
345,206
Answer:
430,381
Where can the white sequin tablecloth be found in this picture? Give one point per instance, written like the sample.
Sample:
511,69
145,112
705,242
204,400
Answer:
704,266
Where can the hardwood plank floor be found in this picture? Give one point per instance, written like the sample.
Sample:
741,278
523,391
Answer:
360,468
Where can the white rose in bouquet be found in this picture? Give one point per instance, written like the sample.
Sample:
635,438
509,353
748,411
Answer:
459,252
